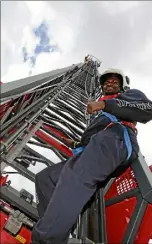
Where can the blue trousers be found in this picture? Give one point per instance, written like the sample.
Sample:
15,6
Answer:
63,189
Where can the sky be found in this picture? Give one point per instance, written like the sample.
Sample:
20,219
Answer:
38,36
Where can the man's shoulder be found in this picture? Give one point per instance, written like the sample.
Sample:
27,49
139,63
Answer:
133,93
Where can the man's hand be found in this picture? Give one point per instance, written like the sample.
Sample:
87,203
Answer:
69,141
95,106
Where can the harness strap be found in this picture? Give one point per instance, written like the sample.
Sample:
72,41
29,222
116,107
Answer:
127,140
110,116
77,150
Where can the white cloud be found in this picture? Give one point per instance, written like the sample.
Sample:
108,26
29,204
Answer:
61,31
119,7
39,11
46,62
144,139
29,40
12,33
59,26
16,72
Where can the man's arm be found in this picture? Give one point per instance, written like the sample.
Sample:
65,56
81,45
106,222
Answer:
132,105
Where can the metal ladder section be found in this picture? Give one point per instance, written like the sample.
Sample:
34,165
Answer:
39,111
53,109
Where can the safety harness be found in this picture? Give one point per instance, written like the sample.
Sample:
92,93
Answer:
114,120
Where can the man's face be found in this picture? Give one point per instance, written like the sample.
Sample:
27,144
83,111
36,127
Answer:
112,85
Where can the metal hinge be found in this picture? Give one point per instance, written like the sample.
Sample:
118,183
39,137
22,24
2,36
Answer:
15,221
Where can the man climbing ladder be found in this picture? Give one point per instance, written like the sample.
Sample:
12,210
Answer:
109,142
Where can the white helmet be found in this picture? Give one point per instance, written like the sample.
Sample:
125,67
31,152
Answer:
124,79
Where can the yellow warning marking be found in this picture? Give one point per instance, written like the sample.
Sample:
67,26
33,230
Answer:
21,239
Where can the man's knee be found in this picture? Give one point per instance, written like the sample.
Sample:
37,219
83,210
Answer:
52,172
41,176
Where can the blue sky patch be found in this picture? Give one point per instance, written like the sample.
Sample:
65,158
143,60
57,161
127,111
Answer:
42,46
